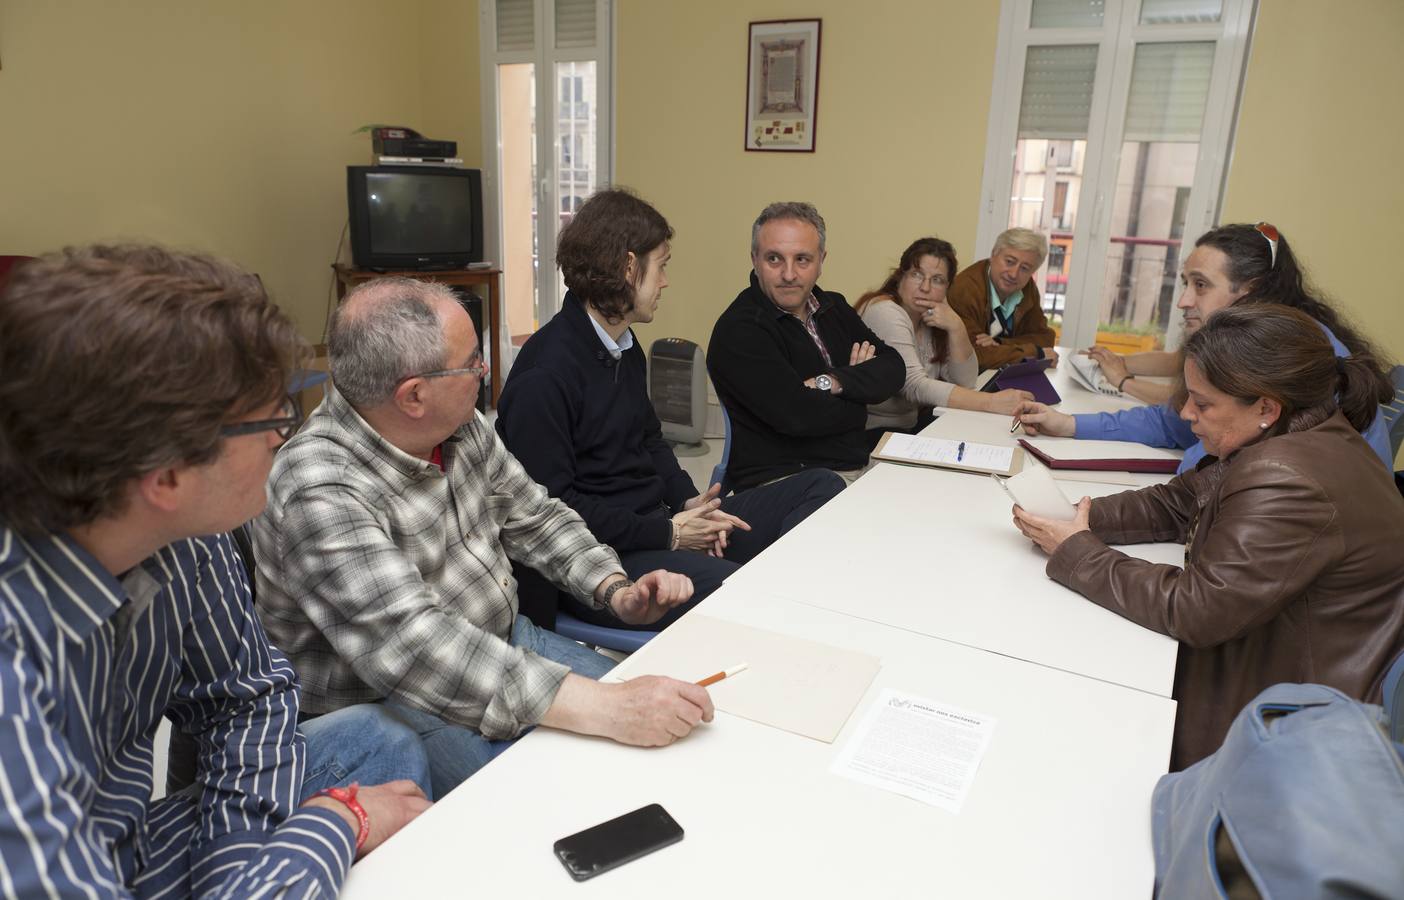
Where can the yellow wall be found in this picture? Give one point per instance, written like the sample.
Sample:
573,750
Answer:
904,93
1318,150
226,127
222,127
450,74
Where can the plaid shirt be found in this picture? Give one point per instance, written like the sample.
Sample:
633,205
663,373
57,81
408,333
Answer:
380,575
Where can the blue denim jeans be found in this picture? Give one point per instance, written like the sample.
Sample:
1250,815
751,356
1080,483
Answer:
362,744
456,751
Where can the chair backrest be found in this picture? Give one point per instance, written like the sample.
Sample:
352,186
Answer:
624,640
719,471
1302,800
1394,410
9,262
1393,699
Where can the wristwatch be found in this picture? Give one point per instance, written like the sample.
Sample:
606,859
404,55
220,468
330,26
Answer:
823,382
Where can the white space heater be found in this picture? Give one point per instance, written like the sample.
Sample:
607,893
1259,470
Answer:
677,384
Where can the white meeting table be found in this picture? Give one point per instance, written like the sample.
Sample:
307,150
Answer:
935,551
1060,806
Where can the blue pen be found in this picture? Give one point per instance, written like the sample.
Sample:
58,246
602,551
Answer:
960,451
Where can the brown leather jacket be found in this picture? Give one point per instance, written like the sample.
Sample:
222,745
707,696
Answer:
969,296
1294,572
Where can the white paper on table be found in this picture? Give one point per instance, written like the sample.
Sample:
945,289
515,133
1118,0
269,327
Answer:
918,748
941,450
799,686
1035,491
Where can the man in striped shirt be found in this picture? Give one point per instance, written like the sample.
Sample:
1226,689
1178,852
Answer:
141,400
384,557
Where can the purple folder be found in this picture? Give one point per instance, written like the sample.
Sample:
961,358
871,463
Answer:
1026,376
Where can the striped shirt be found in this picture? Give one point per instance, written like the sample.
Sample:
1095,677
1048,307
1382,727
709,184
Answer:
811,306
383,576
88,666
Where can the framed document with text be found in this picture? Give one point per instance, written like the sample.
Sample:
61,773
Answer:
782,85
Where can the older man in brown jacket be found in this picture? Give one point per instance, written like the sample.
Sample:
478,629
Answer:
1000,304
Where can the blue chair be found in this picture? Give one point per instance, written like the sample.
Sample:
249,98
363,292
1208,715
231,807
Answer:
623,640
1394,410
1394,698
303,379
719,471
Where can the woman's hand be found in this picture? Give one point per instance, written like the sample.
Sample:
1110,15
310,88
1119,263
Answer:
1049,534
1007,402
938,314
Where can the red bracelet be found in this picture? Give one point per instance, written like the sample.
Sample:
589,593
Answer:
347,795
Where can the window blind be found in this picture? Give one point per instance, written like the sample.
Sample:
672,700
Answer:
1057,97
1169,89
516,25
1178,12
575,23
1067,13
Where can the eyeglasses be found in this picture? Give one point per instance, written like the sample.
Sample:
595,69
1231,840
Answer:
475,367
285,425
919,279
1269,232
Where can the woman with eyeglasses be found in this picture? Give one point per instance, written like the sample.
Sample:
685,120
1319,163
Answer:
909,312
1291,535
1232,265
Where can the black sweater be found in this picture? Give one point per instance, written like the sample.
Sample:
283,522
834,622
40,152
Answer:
759,358
583,427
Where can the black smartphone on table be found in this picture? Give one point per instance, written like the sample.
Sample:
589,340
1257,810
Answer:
611,844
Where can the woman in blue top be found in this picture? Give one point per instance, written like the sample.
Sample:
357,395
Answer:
1230,264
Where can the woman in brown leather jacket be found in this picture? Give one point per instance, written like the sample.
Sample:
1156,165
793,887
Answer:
1293,533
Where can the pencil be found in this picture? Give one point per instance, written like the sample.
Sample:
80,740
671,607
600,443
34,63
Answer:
1015,426
727,673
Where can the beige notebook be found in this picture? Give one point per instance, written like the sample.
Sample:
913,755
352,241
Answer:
796,685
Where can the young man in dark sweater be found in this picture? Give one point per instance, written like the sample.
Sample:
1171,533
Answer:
575,412
793,364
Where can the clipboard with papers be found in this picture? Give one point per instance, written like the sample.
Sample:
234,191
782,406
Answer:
965,456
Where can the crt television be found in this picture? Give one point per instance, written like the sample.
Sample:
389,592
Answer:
415,217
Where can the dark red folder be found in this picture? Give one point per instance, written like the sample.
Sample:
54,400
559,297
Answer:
1153,466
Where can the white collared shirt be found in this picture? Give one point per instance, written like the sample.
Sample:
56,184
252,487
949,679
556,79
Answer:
616,348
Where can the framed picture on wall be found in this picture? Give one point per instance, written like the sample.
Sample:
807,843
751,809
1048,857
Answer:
782,85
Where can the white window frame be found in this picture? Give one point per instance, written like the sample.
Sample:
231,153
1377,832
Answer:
1116,40
545,56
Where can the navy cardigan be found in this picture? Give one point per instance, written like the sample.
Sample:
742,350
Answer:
582,425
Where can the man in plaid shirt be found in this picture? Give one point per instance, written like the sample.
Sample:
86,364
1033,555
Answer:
383,556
